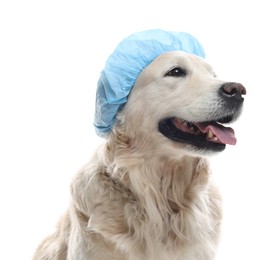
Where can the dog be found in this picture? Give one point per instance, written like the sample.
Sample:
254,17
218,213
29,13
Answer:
148,193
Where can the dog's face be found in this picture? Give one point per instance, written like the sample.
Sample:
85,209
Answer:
178,101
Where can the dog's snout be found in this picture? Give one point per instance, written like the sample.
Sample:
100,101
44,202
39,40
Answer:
232,90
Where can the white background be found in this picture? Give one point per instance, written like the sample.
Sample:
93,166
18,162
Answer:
51,54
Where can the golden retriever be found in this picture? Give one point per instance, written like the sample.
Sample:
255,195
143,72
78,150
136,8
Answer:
147,193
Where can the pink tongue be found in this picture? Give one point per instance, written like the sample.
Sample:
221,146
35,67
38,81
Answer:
224,134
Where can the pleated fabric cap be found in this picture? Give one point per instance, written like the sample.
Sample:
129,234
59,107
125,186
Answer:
125,64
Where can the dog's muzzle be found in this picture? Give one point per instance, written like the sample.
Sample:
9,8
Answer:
211,135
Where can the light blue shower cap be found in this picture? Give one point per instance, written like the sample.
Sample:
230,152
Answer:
125,64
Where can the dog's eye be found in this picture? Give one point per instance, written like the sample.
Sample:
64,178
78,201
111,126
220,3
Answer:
176,72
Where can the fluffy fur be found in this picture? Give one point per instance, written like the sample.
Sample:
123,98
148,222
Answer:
144,196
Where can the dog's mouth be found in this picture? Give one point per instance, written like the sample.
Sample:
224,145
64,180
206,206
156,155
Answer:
212,135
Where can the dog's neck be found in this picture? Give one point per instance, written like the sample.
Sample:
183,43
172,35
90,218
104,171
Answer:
164,192
165,181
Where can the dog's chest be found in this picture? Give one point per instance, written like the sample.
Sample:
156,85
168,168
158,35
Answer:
165,233
160,251
158,223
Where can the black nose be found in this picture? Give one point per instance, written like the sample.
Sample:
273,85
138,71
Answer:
232,90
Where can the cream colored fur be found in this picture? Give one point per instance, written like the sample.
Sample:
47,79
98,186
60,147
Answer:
143,196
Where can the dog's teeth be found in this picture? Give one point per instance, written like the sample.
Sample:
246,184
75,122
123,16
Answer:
210,134
215,139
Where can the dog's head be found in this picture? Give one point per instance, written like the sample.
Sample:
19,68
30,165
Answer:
178,102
